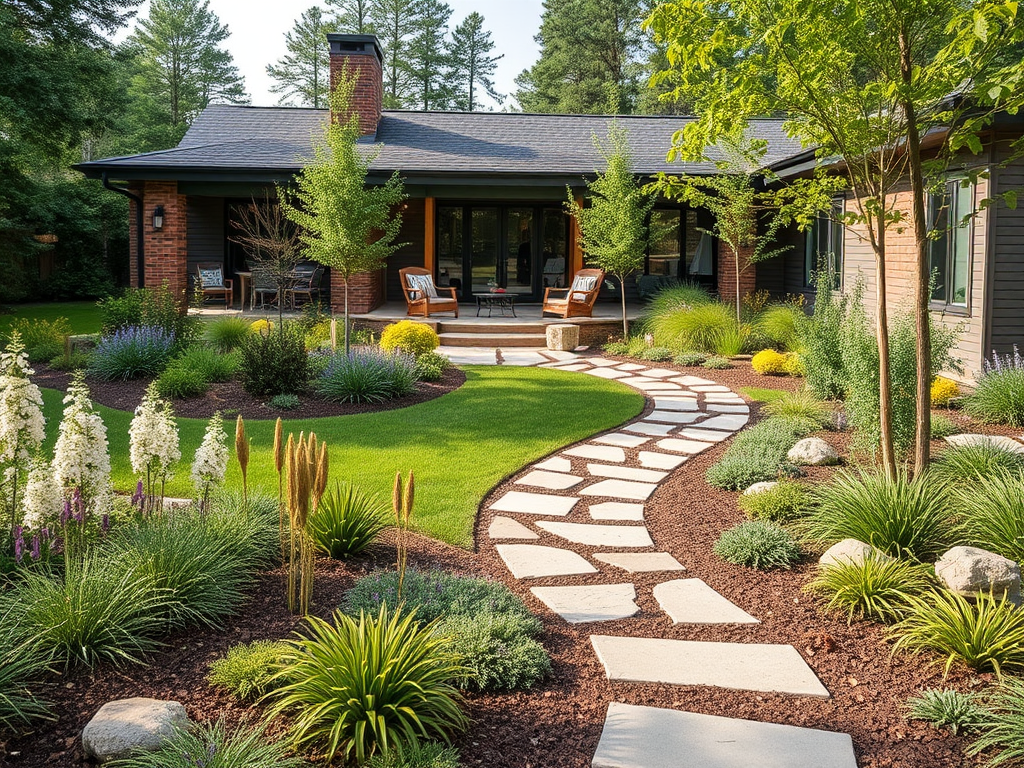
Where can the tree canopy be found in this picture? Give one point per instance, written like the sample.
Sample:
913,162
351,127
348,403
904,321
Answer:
303,75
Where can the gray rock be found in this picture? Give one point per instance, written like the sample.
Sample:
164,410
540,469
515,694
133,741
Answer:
812,451
850,551
970,570
123,726
765,485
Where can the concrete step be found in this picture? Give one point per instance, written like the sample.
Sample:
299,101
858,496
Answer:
470,326
502,340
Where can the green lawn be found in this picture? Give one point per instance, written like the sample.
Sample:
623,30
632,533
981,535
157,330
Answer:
84,316
459,445
763,395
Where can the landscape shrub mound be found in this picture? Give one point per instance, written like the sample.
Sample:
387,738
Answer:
768,362
431,366
410,337
778,504
498,649
758,454
876,588
248,670
274,362
347,521
758,544
367,376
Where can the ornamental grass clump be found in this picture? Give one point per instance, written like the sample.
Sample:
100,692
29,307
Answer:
1002,725
998,395
876,588
984,633
758,544
247,670
367,376
946,707
429,755
358,687
227,333
131,353
704,327
782,502
803,405
346,521
959,464
21,663
902,517
992,507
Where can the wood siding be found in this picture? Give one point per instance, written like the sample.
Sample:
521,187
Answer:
206,238
412,253
1007,320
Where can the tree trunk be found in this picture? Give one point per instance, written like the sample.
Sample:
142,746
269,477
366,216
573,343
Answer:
625,323
346,316
736,261
882,337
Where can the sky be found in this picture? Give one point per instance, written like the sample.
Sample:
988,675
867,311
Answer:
258,27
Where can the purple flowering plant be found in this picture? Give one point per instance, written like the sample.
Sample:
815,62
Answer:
132,352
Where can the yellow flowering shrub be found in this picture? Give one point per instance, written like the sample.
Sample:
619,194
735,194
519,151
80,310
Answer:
409,336
795,365
768,362
943,390
261,326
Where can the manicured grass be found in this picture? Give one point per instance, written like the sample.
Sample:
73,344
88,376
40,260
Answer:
84,316
459,445
763,395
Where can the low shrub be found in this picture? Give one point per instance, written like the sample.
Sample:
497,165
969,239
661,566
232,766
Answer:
821,336
274,363
943,392
716,363
986,634
262,326
781,325
76,362
992,508
319,334
431,366
877,588
226,334
410,337
347,521
249,524
946,707
899,516
943,426
758,544
1002,725
958,464
43,339
355,687
213,365
656,354
132,352
998,395
429,755
802,405
497,649
364,376
689,359
154,307
317,362
796,365
758,454
247,670
285,402
181,383
778,504
768,362
616,347
214,745
702,327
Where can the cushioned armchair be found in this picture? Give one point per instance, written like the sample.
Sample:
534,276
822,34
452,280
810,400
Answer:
422,296
579,297
211,283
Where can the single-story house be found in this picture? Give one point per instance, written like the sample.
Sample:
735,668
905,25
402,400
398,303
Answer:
485,206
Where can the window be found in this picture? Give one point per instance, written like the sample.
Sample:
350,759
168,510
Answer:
949,212
823,244
664,254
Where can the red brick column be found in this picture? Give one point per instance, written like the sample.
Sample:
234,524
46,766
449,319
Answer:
365,292
727,273
166,248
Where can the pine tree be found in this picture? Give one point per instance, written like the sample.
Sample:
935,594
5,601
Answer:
352,16
472,64
304,73
429,58
396,23
181,67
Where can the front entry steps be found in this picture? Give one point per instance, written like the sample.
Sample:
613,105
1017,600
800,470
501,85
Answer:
491,339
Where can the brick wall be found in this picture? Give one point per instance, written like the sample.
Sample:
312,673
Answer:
368,97
166,249
365,292
727,273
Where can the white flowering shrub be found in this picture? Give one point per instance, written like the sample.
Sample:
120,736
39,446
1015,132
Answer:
21,420
81,460
153,443
43,500
211,459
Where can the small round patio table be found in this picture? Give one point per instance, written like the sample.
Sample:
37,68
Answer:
501,301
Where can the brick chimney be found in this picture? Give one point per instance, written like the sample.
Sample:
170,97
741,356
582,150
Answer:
360,56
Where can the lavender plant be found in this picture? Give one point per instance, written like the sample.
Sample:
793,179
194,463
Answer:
368,377
999,394
132,352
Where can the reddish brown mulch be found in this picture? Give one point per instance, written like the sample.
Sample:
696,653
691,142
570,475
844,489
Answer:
230,399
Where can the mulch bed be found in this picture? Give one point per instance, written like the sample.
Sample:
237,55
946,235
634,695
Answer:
558,724
231,400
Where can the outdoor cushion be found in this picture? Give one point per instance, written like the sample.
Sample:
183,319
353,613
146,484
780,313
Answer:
421,285
582,283
211,278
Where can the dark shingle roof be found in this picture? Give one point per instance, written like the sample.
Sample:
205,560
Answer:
277,139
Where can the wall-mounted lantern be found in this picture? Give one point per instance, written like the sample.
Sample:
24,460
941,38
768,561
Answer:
158,217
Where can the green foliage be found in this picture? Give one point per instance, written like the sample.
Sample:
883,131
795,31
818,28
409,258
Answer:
902,517
274,363
656,354
226,334
285,402
408,336
471,68
213,365
158,307
1002,725
77,362
368,376
247,669
703,327
758,453
429,755
214,745
716,363
758,544
131,353
21,663
676,298
688,359
43,339
304,72
431,366
250,526
960,464
347,521
943,426
877,588
497,649
993,512
780,503
803,405
358,686
985,634
782,326
998,398
821,338
946,707
180,383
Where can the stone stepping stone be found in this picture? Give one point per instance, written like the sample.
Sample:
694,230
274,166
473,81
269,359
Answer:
660,373
555,464
621,489
693,381
737,666
535,503
727,408
599,535
600,362
521,357
653,385
728,422
691,601
552,481
632,367
626,473
617,510
710,388
996,441
507,528
660,460
724,399
651,737
561,355
607,373
579,605
682,446
621,439
675,404
640,562
647,428
675,417
599,452
567,367
708,435
533,561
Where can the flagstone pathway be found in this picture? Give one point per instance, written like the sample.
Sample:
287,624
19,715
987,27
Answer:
691,414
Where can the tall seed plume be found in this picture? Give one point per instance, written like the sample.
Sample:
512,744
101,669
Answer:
407,501
396,497
241,446
278,447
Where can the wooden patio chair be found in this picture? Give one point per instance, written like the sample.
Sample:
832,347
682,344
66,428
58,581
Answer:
422,295
211,283
579,297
